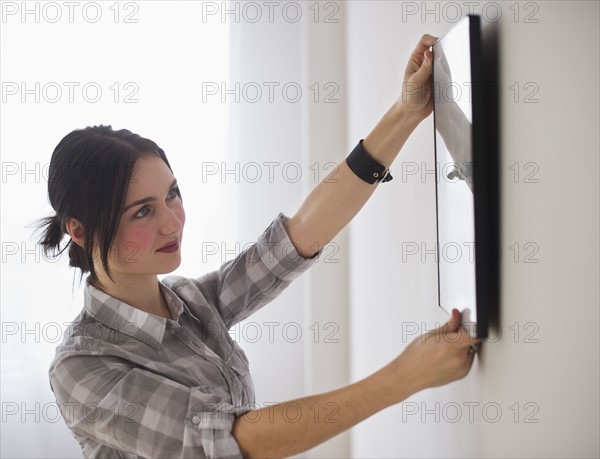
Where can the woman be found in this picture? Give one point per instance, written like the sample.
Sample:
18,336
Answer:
148,368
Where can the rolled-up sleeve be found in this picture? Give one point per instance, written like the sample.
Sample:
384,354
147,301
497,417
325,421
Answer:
140,412
257,275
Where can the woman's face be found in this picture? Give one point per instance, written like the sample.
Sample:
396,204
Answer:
153,216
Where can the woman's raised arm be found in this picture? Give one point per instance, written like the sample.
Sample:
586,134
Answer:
335,201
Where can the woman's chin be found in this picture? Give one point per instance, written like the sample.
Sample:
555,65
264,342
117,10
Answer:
170,267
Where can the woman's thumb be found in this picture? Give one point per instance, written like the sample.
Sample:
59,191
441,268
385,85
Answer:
424,72
453,324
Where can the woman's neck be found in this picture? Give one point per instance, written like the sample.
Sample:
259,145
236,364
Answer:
141,292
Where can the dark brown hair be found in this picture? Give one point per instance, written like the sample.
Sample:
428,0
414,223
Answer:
88,178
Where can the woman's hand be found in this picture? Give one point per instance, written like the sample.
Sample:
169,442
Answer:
436,358
433,359
417,88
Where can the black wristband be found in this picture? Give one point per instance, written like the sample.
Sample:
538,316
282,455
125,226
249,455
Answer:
364,166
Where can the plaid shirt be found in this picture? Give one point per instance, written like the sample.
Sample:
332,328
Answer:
131,384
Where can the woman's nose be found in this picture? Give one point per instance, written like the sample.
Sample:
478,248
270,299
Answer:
173,220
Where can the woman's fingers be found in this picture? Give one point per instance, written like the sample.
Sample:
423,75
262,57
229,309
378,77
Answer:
417,57
425,43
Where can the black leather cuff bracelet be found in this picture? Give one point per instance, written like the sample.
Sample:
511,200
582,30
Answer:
364,166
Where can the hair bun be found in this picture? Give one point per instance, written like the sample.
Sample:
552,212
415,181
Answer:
52,234
56,221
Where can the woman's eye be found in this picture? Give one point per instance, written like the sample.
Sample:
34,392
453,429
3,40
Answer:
173,192
172,195
137,215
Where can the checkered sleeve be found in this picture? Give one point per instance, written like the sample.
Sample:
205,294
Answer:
257,275
137,411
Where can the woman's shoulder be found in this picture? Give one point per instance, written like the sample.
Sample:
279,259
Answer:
81,333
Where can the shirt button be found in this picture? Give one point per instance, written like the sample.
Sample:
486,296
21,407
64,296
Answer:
196,420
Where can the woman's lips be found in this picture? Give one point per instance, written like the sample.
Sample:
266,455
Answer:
173,247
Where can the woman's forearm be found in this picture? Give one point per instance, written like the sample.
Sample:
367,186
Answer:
434,359
335,201
293,427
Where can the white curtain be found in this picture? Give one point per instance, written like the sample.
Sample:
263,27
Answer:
148,60
289,124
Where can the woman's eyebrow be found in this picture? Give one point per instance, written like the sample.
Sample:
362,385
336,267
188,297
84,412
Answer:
148,199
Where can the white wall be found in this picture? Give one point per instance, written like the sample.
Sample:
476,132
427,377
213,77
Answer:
555,300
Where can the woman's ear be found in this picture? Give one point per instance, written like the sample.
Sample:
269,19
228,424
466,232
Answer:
75,230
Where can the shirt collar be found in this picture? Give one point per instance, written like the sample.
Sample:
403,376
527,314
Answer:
128,319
